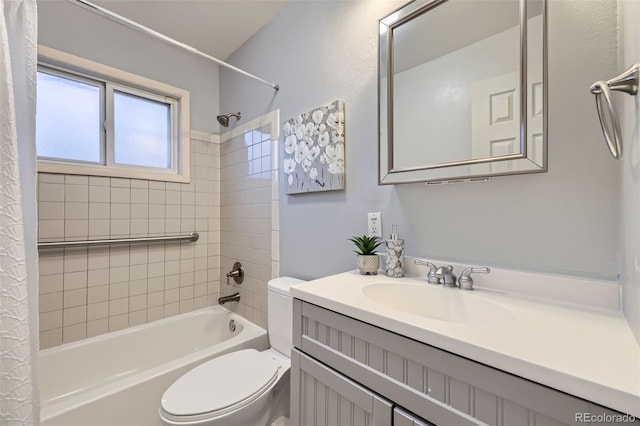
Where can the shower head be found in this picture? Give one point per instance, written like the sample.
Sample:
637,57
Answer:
224,119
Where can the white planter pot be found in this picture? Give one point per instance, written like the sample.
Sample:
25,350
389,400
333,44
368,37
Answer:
369,264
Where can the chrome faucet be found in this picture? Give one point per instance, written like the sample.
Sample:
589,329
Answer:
446,276
465,281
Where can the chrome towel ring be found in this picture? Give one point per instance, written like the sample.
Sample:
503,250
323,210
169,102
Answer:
626,82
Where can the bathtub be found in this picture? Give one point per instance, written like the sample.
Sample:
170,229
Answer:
118,378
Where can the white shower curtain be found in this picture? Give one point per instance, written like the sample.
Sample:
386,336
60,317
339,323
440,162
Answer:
19,392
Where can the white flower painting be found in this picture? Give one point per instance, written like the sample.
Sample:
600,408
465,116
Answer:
314,150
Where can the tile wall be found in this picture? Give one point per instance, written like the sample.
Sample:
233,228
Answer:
248,213
89,291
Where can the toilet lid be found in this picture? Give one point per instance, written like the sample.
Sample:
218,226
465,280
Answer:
220,383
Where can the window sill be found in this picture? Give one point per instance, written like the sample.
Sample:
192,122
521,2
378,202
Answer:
89,170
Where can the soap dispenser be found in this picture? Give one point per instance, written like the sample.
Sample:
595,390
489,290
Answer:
394,264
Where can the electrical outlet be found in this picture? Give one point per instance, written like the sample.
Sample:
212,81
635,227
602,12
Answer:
374,223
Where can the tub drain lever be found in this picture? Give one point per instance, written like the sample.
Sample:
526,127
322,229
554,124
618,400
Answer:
237,273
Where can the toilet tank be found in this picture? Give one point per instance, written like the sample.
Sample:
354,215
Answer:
280,313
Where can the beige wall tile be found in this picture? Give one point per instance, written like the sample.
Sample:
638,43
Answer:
49,229
171,309
155,284
98,277
76,315
97,294
50,338
119,290
75,332
99,228
76,210
137,318
50,320
50,302
99,211
98,310
76,193
76,180
50,210
99,180
50,178
75,280
155,313
77,229
51,191
97,327
138,303
118,307
99,194
73,298
120,183
51,283
118,322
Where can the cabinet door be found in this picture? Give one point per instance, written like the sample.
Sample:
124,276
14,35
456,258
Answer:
404,418
321,396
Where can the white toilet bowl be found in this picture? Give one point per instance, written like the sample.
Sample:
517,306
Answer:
242,388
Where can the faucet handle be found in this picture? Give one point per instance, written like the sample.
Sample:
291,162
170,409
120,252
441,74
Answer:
431,275
465,281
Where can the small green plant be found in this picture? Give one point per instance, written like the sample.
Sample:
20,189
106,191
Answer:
366,245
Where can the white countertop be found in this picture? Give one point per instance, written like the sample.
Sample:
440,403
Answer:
588,353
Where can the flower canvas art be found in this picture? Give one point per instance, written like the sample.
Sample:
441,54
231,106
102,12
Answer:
314,150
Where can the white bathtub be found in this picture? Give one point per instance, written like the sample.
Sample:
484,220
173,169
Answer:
118,378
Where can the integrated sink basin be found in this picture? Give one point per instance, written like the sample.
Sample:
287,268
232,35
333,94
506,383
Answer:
438,303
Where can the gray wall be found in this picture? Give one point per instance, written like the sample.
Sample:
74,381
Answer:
564,221
72,29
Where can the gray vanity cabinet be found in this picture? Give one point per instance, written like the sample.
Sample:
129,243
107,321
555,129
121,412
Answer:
336,354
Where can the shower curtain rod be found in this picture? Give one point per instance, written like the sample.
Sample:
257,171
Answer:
132,24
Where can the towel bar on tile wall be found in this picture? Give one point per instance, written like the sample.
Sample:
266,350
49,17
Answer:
59,244
626,82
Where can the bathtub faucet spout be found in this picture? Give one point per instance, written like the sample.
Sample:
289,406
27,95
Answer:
235,297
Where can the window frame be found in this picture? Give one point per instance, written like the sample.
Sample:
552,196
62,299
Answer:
72,67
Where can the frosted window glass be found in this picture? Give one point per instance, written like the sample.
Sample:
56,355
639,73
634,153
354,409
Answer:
68,119
142,131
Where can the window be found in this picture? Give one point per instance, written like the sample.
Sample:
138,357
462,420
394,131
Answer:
69,119
93,119
142,131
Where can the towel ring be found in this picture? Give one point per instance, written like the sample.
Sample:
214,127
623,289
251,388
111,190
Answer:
626,82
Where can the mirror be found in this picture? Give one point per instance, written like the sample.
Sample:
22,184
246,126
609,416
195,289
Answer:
462,90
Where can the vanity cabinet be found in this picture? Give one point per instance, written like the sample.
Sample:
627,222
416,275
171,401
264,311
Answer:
366,368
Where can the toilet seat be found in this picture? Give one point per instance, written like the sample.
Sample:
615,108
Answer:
219,386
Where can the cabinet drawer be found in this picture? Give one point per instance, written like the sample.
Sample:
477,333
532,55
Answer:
439,386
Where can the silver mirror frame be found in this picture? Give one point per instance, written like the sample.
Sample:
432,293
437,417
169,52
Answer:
451,171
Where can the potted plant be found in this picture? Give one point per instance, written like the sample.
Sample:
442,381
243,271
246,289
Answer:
368,261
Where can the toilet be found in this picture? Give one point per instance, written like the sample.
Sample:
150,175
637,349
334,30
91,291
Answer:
245,387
